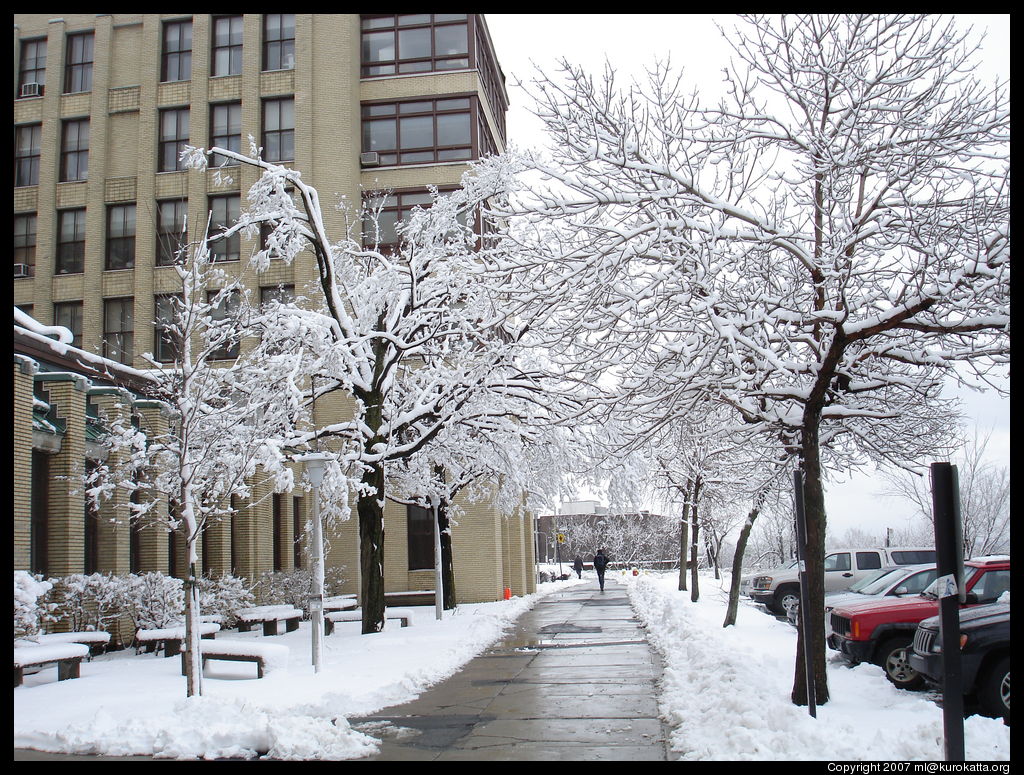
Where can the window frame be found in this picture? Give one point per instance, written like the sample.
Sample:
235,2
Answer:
27,157
26,240
166,347
181,57
383,111
404,208
218,135
123,216
276,50
119,343
281,134
234,242
377,25
72,322
164,141
229,305
74,156
78,62
70,254
233,49
163,255
37,67
419,537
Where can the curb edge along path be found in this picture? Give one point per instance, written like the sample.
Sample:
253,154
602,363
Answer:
576,680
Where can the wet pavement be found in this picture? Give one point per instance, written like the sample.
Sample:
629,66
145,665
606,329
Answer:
575,681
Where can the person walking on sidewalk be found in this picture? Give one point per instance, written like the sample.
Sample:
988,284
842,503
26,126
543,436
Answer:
600,563
577,565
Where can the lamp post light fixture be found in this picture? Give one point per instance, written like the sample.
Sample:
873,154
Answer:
315,463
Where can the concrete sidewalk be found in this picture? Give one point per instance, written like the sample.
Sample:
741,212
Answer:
575,681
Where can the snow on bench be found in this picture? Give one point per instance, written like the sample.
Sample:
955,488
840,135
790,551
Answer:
171,637
403,615
340,603
67,656
267,656
95,639
269,616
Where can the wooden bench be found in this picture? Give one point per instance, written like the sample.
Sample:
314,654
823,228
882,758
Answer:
170,638
266,656
269,616
66,656
413,597
340,603
96,640
402,615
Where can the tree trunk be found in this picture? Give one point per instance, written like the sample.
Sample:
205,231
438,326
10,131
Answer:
193,655
447,564
737,565
370,508
683,549
694,543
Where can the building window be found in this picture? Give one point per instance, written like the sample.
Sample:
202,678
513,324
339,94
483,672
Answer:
414,43
91,516
166,341
280,294
176,63
173,138
278,517
27,150
33,68
78,65
278,41
71,241
421,131
226,131
421,537
171,230
121,236
69,315
383,213
225,211
74,150
279,129
298,529
226,310
24,245
227,45
118,329
40,528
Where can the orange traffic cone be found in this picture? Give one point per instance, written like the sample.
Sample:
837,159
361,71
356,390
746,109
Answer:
508,593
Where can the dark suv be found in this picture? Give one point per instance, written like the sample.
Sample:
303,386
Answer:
984,655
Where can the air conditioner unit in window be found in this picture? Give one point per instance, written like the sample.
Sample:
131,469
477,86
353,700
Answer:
31,89
22,270
369,159
288,62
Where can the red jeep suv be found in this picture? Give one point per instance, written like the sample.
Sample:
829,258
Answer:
882,631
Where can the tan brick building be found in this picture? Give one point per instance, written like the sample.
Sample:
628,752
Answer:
103,103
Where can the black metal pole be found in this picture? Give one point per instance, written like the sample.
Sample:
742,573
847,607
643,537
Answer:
805,609
950,565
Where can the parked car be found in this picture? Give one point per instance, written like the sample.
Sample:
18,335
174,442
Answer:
896,581
747,579
882,630
780,589
984,656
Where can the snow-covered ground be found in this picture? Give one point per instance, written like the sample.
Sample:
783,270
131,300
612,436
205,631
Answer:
726,691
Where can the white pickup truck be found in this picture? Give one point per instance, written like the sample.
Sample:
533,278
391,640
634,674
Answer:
779,589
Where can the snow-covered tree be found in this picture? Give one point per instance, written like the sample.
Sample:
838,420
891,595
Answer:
412,333
820,251
231,414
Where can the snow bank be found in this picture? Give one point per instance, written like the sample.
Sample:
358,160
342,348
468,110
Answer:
727,690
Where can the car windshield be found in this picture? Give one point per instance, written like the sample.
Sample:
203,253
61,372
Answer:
879,583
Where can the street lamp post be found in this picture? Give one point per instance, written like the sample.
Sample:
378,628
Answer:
315,463
438,568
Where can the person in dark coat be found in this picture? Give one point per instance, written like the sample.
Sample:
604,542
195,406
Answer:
577,565
600,563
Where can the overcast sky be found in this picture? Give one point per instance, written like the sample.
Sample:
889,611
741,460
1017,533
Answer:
692,41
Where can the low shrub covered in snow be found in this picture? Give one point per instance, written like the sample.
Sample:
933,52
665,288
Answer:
294,587
224,596
28,614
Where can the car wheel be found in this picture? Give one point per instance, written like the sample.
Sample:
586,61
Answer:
893,658
994,692
785,599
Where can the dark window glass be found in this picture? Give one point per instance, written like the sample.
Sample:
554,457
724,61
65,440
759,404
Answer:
991,585
166,342
279,129
225,310
176,64
121,236
174,134
225,211
171,230
27,150
282,294
25,243
421,538
414,43
70,241
74,151
91,516
227,45
839,561
119,329
278,41
298,526
915,557
420,131
226,131
69,315
78,63
868,560
33,65
40,528
383,213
